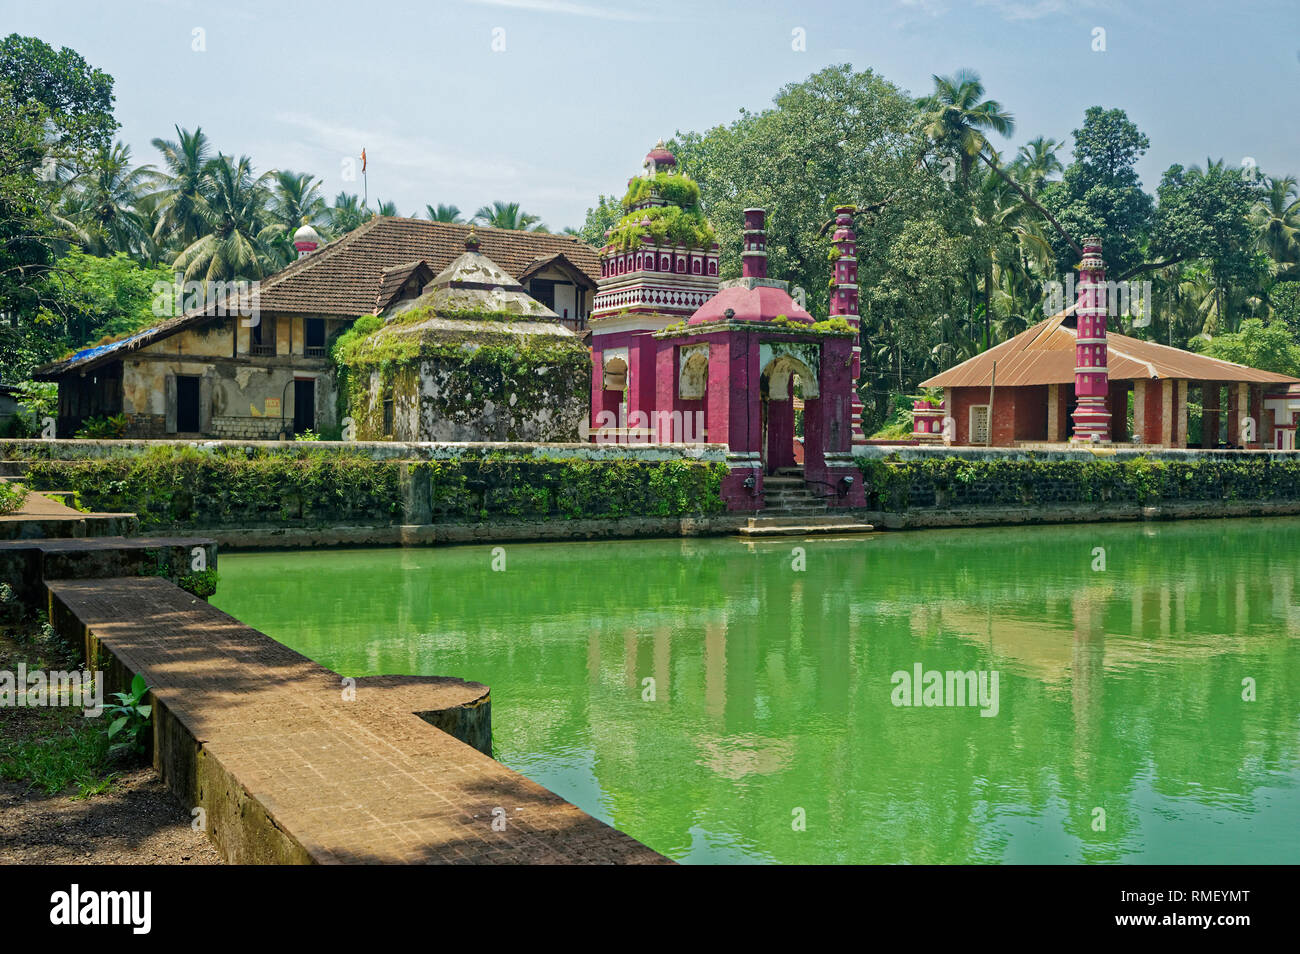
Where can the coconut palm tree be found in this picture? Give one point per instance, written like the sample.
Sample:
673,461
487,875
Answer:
388,208
443,213
102,207
178,221
507,215
347,213
1276,218
296,200
956,116
240,239
1036,162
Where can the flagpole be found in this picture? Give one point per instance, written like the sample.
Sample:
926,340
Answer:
365,180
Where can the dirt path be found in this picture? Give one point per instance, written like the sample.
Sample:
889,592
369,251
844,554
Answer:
137,821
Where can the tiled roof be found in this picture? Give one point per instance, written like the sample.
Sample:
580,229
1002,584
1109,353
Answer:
395,277
1044,354
344,277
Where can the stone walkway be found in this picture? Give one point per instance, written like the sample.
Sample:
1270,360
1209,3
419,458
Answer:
286,769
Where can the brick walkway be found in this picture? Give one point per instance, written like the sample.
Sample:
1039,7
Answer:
366,781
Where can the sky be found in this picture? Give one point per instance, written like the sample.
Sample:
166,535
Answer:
551,103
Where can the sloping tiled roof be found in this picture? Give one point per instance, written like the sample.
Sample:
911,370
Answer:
395,277
343,278
1044,354
561,261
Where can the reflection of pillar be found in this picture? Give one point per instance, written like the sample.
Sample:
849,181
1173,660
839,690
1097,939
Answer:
715,669
629,659
663,643
593,657
1087,672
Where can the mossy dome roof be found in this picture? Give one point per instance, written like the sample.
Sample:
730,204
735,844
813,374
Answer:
475,283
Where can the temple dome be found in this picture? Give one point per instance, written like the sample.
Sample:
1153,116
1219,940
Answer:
306,234
659,158
751,300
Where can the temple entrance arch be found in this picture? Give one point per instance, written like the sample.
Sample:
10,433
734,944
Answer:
784,377
614,383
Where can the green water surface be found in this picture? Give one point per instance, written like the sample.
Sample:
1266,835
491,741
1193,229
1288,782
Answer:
1121,732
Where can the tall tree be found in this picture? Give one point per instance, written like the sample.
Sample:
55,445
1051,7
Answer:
347,213
1100,193
102,206
178,222
508,215
233,204
78,98
443,213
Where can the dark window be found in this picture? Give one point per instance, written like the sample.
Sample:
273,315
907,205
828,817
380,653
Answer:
543,290
187,404
388,414
262,337
314,338
304,405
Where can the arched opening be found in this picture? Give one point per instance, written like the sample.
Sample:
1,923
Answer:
613,389
784,382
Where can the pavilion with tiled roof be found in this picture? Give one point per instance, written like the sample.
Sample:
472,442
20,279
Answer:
1029,382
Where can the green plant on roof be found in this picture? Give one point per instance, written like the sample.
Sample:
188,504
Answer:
674,188
665,225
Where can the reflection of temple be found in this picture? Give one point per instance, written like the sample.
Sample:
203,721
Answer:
744,355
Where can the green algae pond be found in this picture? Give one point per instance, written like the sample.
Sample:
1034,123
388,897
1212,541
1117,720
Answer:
1133,689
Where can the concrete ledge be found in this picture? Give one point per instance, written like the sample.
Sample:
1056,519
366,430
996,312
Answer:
1079,513
26,564
271,538
293,764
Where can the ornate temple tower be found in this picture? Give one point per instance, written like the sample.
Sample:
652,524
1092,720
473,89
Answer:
654,278
646,284
1091,381
844,301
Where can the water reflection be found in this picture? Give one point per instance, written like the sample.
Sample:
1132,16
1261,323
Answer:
1120,690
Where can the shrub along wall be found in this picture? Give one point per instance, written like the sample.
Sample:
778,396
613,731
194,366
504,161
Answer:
895,485
184,488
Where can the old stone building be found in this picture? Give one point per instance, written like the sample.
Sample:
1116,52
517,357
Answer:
473,358
254,362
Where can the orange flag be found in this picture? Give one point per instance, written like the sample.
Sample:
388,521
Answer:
363,159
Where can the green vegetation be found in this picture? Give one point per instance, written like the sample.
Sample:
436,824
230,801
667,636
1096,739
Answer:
186,489
11,497
665,225
128,720
893,484
103,428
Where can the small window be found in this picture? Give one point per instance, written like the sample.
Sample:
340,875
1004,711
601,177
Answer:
388,413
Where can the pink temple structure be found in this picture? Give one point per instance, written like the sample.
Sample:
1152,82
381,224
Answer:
732,371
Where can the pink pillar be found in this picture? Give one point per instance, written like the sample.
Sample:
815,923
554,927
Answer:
844,302
754,254
1091,419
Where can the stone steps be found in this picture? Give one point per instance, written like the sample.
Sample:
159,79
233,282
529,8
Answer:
801,525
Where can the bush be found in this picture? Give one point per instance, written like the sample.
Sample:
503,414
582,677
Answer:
894,484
